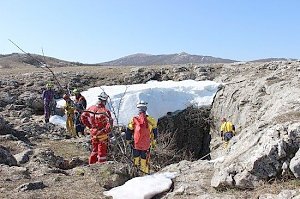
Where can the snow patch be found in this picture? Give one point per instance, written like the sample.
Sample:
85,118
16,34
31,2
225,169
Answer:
143,187
162,97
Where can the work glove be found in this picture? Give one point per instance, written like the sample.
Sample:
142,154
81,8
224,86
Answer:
153,144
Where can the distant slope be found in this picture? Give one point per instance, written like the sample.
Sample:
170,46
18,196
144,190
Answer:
179,58
273,59
16,60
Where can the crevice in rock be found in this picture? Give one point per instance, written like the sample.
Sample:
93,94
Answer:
185,134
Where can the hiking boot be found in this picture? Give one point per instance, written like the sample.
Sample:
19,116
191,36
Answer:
80,135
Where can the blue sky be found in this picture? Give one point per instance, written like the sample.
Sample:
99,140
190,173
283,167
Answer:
94,31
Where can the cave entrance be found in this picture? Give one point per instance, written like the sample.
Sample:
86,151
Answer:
184,135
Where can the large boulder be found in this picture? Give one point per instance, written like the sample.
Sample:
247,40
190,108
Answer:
193,180
33,101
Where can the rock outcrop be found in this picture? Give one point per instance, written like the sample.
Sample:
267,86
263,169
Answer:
262,100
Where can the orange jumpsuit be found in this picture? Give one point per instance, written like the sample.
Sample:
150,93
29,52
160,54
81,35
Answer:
98,119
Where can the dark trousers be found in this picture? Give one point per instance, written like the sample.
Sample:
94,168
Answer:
228,136
79,127
139,153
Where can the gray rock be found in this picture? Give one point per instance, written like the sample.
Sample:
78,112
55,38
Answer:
8,137
6,98
32,100
25,114
6,157
23,157
25,120
31,186
193,180
295,165
4,126
284,194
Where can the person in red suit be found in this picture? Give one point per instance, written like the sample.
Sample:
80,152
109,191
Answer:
98,119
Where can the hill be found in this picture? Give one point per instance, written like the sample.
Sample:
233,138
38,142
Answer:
178,58
273,59
15,60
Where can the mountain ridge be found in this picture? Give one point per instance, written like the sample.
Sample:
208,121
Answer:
142,59
137,59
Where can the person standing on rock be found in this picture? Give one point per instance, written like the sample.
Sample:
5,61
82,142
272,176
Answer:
227,131
49,102
69,111
80,105
142,127
98,119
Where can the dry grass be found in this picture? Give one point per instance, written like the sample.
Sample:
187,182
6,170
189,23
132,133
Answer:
66,149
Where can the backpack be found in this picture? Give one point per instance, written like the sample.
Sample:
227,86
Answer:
141,132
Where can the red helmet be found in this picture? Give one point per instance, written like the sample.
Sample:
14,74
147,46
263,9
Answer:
65,97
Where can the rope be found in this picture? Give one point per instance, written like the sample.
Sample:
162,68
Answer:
41,63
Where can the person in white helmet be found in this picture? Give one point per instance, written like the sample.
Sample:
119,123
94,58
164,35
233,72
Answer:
98,119
143,129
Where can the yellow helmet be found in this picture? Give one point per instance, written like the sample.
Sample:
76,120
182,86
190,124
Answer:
49,85
76,91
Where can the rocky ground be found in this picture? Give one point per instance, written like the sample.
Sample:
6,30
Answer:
39,160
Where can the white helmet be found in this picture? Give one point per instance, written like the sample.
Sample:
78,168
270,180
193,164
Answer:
141,104
103,96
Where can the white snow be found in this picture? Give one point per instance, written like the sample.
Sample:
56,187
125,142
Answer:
56,119
143,187
162,97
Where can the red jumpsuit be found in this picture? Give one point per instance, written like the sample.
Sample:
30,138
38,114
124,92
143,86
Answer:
100,125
